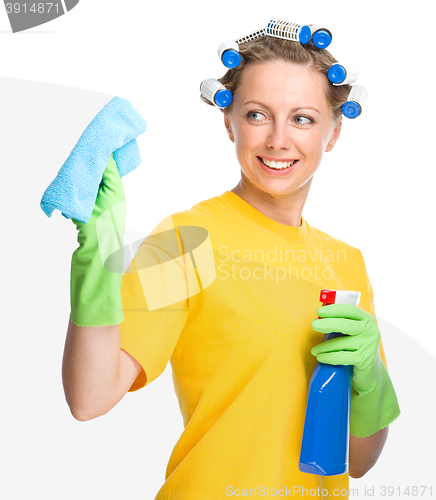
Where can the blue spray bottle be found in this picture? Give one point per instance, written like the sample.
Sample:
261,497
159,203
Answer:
324,448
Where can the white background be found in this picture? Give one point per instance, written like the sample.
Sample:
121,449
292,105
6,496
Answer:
375,191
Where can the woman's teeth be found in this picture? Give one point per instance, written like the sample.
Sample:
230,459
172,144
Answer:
279,164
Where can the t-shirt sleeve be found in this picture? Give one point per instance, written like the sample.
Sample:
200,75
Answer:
154,295
371,298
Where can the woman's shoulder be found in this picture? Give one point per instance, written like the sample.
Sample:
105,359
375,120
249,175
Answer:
207,209
205,213
332,241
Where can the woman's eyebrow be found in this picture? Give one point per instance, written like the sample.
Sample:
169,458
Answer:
292,110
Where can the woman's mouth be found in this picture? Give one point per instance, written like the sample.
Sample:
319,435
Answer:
276,168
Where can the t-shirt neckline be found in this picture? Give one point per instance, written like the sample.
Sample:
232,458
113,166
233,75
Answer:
247,211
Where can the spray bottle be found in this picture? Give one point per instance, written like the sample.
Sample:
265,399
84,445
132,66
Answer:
325,444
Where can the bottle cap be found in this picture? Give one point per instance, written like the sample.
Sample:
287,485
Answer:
339,297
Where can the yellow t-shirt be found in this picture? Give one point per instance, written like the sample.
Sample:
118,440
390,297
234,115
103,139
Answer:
228,295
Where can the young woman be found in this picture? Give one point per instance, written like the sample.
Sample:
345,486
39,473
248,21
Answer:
228,291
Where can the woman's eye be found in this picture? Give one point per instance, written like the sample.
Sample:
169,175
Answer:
256,116
250,115
303,120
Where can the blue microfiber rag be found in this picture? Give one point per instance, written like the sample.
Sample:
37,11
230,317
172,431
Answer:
113,131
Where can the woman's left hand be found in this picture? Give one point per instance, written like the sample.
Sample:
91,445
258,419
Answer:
359,348
374,404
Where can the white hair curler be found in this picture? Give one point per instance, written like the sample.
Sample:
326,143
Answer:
216,93
355,102
228,51
341,74
321,36
254,35
288,31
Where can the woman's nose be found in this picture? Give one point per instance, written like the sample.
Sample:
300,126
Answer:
279,136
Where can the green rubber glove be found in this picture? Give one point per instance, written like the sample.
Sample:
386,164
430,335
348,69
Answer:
97,264
374,403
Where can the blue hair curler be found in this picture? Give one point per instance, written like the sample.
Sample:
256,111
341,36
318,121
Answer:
289,31
229,54
341,74
321,36
216,93
228,51
355,102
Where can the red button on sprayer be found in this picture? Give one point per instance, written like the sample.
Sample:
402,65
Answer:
327,297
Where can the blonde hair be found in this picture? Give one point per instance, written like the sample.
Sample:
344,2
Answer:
271,49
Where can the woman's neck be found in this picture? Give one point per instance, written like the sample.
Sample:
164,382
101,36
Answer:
285,209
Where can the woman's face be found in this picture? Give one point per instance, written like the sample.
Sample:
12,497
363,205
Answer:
280,112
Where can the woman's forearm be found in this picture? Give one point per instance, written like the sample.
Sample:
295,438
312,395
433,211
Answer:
365,451
91,369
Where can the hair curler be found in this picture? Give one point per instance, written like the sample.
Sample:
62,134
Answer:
341,74
228,51
321,36
216,93
289,31
355,101
325,444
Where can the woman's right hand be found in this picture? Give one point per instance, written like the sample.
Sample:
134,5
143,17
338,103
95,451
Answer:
110,194
97,264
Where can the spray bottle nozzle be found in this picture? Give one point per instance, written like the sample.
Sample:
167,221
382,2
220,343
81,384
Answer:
327,296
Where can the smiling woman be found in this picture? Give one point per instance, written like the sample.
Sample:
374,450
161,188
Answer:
280,143
284,110
234,310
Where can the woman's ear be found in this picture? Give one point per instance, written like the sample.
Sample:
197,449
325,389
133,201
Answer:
228,127
335,136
